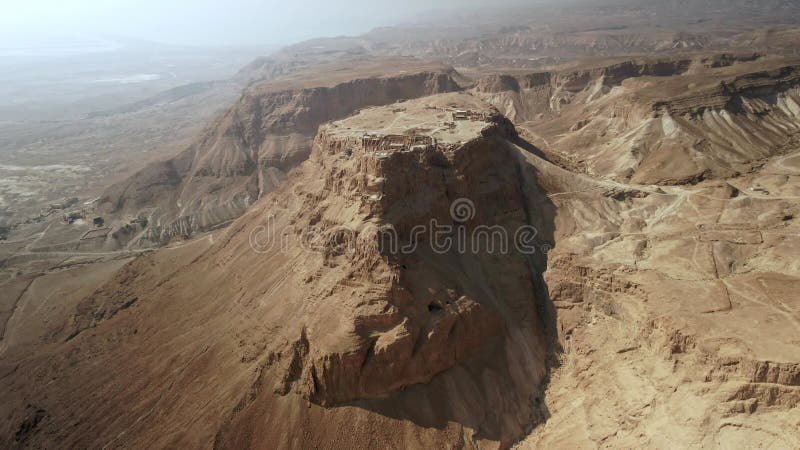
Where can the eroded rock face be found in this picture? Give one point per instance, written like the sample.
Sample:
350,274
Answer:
424,312
531,96
658,310
422,316
248,150
669,123
305,320
673,300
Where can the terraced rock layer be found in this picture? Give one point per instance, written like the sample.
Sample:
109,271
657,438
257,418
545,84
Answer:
247,152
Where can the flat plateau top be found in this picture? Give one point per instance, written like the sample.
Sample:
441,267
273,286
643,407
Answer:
449,118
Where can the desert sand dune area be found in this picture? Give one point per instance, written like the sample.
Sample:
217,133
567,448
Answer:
555,225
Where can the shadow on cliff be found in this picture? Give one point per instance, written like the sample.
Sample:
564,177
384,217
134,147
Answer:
545,223
482,393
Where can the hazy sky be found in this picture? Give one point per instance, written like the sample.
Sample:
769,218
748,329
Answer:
207,22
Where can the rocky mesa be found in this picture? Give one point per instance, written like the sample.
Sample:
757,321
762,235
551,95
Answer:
411,339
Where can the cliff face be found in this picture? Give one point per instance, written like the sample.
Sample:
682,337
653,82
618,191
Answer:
675,301
531,96
247,152
386,320
660,122
420,317
306,318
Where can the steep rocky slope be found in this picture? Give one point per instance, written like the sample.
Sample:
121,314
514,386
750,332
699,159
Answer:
302,325
673,273
677,313
668,122
528,96
247,152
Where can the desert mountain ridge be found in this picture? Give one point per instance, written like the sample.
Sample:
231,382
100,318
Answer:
247,152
